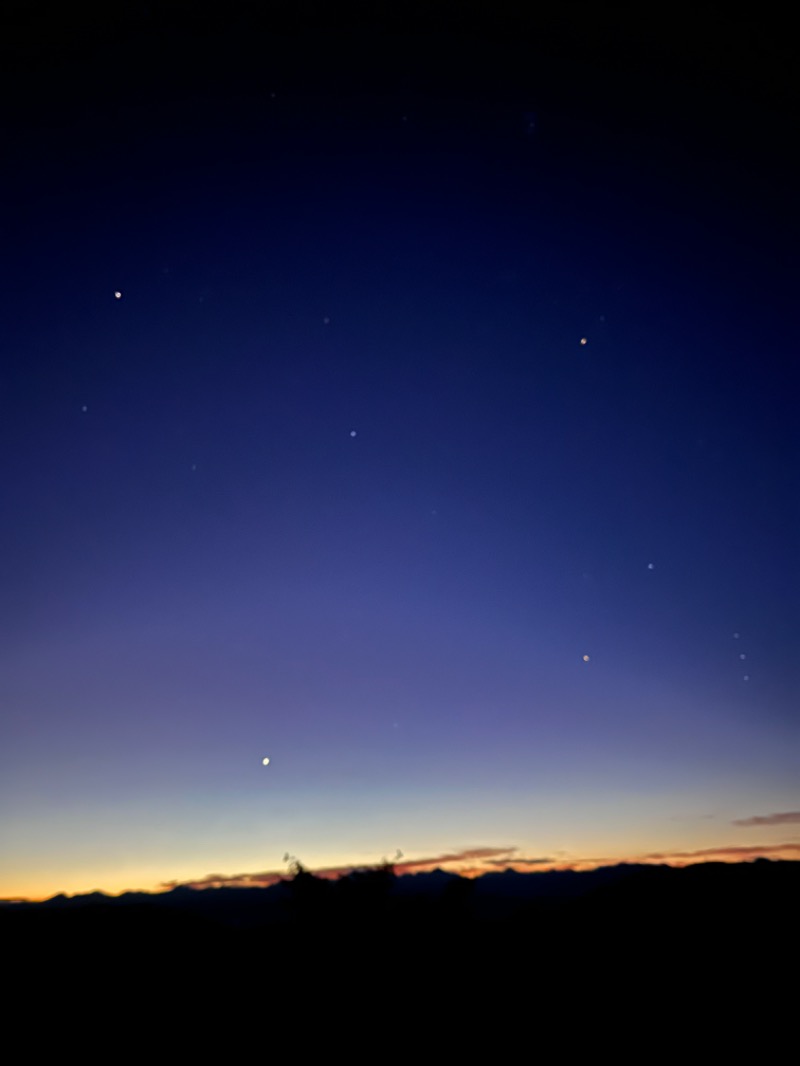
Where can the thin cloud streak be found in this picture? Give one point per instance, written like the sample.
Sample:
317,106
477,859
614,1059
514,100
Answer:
725,853
780,818
271,877
733,852
507,863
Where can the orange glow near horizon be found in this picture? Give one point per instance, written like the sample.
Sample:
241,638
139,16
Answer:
460,864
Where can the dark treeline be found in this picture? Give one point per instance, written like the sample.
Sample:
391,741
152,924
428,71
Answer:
637,909
625,953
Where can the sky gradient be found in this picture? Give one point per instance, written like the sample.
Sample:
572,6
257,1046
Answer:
440,445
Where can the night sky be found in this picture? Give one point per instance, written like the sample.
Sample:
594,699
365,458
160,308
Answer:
412,404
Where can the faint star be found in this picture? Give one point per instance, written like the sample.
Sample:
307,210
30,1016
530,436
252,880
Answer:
743,656
735,636
651,566
746,677
84,408
326,321
352,433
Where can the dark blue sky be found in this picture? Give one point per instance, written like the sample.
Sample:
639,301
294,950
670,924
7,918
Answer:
337,480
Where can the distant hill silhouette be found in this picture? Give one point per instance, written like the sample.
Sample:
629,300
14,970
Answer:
605,953
628,901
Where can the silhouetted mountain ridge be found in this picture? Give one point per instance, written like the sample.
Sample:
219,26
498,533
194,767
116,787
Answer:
621,935
496,891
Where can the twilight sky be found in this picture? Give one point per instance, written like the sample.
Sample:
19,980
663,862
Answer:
440,445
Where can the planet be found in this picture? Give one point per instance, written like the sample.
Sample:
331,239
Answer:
265,761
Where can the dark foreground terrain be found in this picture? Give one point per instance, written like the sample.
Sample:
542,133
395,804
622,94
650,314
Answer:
711,945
